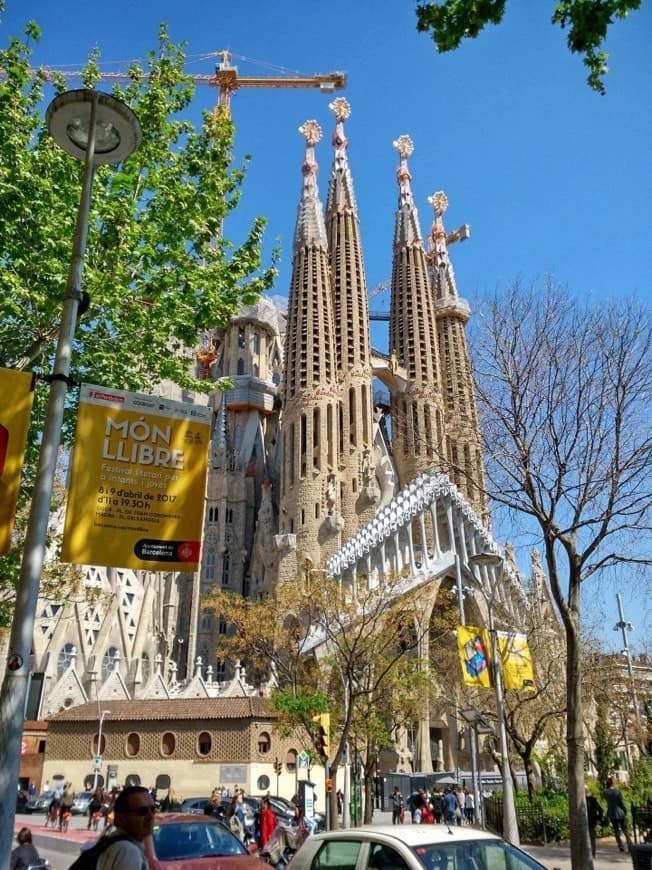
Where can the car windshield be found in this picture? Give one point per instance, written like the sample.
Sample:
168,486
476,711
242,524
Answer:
474,855
177,840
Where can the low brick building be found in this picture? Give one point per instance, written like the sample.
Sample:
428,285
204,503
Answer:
200,743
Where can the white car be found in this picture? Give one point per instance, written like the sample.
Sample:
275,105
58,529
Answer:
411,847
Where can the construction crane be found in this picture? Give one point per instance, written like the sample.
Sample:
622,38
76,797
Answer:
226,79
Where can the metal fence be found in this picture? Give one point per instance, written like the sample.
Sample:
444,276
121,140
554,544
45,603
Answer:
642,824
534,825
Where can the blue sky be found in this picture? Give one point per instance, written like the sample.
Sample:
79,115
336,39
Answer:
552,178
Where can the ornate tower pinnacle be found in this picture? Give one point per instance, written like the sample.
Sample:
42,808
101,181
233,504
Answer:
310,222
341,109
405,148
438,249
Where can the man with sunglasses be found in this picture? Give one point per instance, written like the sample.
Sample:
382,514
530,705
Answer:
134,820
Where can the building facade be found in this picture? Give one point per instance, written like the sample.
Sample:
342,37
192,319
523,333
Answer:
302,454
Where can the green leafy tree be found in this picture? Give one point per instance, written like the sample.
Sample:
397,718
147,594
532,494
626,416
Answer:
585,21
158,269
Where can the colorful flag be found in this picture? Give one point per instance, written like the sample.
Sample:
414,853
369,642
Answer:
516,660
17,391
137,482
473,649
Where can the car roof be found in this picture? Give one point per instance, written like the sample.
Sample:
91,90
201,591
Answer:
191,818
410,835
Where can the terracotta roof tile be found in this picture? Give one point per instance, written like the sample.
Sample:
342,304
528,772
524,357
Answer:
176,708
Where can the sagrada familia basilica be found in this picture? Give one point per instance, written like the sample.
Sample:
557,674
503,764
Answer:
321,449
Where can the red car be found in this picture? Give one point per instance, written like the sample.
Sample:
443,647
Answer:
183,841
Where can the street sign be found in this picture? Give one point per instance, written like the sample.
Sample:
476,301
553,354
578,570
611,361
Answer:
97,762
302,759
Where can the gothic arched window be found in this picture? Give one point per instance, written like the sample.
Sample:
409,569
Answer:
65,657
108,661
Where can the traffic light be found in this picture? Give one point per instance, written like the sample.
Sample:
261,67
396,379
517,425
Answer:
321,734
329,785
278,767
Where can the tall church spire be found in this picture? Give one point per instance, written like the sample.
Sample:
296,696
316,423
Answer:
352,345
310,229
310,496
463,450
417,425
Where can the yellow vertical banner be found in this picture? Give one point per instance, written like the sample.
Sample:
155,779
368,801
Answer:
516,660
137,478
17,392
473,650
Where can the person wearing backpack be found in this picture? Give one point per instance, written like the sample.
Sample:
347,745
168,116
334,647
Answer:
123,849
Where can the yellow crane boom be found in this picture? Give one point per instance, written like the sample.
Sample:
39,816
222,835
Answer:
227,80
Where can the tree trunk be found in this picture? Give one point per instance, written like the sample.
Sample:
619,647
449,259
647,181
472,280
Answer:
581,858
369,795
333,818
529,776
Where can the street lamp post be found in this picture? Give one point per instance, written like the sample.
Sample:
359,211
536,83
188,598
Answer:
96,128
625,627
493,563
477,725
96,771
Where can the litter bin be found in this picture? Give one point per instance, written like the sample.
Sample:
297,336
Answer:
642,856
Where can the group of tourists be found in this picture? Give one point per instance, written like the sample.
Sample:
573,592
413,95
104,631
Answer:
450,806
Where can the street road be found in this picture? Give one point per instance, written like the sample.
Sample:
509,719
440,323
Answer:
62,849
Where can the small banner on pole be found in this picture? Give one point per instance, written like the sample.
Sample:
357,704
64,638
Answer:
516,660
137,482
17,391
472,646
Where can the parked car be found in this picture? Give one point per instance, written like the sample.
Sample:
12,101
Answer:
194,805
410,847
81,802
39,804
194,842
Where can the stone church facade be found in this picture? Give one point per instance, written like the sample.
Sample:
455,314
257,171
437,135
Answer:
317,433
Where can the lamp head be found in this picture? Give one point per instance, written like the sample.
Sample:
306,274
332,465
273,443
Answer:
117,130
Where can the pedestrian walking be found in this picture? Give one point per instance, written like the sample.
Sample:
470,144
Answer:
595,816
617,814
469,807
398,807
450,806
